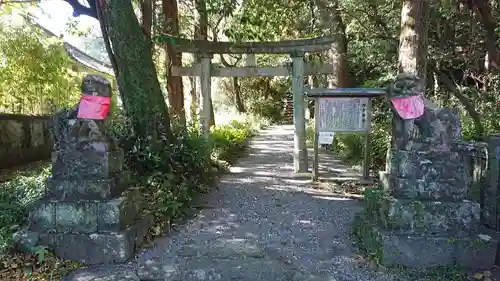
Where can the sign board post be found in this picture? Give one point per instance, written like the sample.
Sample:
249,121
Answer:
315,171
343,110
367,158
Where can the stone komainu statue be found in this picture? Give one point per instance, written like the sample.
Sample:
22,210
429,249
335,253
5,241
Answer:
69,129
437,127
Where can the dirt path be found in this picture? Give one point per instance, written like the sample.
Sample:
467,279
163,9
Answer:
262,224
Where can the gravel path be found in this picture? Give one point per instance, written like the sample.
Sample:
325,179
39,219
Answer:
262,224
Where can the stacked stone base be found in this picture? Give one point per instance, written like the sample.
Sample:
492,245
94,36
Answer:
99,247
420,218
89,214
413,250
417,251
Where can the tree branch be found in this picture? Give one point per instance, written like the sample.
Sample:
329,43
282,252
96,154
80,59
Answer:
79,9
19,1
466,102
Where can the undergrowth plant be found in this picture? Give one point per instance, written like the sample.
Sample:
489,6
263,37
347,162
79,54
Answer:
169,176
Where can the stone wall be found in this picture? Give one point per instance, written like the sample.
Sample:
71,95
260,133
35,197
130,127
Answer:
23,139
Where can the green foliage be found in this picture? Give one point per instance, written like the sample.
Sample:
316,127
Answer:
172,177
16,197
262,97
229,140
349,147
35,73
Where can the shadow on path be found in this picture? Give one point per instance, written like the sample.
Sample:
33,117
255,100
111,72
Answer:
262,223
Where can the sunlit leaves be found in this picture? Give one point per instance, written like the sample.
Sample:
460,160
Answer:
35,74
263,20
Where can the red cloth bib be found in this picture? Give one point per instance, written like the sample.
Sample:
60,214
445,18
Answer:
93,107
409,107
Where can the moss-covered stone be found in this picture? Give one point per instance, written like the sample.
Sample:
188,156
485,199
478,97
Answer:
432,217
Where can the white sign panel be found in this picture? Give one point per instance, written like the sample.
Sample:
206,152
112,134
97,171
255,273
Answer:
343,115
326,137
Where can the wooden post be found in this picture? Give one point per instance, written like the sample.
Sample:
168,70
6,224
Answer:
492,190
367,157
299,121
315,173
206,86
250,60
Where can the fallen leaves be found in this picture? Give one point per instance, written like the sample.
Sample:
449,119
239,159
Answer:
29,267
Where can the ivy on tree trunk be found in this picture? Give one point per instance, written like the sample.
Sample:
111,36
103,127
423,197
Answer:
175,86
143,99
131,55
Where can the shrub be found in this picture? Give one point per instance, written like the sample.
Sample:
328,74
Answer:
171,178
228,141
16,197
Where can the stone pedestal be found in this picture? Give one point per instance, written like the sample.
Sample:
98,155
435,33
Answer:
420,216
89,212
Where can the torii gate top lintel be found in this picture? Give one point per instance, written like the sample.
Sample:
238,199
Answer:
295,48
183,45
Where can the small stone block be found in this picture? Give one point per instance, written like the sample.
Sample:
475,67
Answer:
432,251
43,216
428,165
95,248
103,273
25,240
477,252
431,217
416,252
429,190
157,268
86,164
75,217
117,214
86,189
99,248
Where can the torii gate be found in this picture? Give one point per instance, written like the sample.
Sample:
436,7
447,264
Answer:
295,48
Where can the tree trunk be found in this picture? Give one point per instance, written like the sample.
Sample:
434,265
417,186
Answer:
466,102
490,36
147,17
240,106
202,34
332,25
413,39
412,59
175,86
194,99
142,96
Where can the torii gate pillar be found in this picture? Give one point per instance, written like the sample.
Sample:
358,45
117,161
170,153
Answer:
299,117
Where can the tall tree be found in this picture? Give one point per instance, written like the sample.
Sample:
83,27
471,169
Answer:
332,24
490,35
131,55
413,38
175,86
147,8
